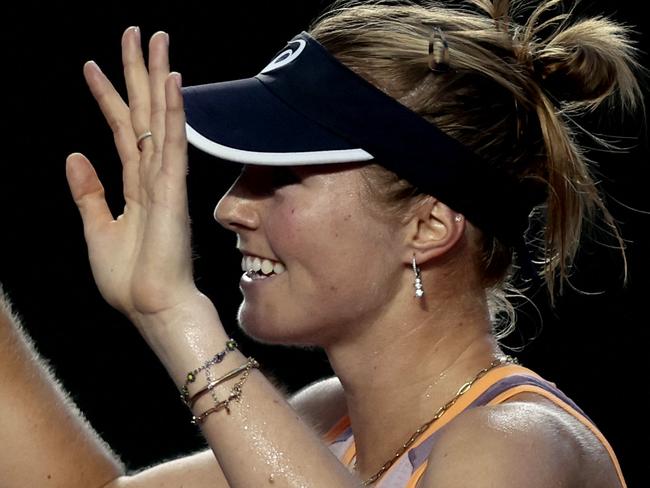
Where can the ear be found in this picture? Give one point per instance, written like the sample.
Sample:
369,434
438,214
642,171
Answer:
433,230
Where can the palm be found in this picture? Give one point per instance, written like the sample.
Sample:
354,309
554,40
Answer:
141,260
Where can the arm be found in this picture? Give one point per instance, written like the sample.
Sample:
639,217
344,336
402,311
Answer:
199,470
319,404
142,265
73,455
263,438
34,452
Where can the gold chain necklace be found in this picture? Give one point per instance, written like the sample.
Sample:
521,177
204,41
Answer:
463,389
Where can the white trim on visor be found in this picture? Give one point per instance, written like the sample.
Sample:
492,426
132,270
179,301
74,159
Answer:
274,158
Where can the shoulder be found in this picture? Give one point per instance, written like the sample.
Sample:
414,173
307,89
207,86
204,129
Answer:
529,442
321,404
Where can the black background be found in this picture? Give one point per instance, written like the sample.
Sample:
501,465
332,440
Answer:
592,346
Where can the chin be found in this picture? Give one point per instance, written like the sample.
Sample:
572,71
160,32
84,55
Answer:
273,331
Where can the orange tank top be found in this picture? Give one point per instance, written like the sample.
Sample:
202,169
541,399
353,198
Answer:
497,386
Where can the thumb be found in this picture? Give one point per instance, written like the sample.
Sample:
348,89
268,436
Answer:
87,191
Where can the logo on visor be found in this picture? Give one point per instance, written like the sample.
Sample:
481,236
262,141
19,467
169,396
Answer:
285,57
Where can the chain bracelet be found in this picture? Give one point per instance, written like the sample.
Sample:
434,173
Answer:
231,345
235,393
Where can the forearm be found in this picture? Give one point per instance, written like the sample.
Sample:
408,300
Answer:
262,440
199,470
45,440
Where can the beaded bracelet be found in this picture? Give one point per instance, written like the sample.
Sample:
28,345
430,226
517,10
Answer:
235,393
210,386
231,345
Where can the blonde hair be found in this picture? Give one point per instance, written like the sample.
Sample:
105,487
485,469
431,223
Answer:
511,93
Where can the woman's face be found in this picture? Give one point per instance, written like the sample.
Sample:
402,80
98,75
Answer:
342,264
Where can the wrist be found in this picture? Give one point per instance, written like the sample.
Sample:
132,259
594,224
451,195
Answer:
149,314
185,335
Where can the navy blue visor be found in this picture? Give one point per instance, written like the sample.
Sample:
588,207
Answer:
306,107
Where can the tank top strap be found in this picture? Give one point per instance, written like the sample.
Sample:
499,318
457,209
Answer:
512,380
497,386
550,391
340,437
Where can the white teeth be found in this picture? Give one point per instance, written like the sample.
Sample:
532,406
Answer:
249,263
263,266
267,266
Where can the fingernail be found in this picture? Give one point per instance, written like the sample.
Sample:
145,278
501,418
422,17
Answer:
178,79
164,34
94,66
136,32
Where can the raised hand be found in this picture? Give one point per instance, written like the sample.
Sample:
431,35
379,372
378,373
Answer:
141,261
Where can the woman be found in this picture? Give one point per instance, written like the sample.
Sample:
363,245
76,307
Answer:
401,287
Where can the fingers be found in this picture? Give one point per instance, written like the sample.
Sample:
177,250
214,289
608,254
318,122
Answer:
87,191
158,72
174,160
145,111
146,92
137,83
117,114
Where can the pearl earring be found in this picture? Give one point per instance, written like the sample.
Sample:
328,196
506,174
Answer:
419,292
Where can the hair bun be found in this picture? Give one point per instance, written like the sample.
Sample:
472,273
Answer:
584,63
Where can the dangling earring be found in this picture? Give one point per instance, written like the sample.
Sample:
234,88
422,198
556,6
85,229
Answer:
419,292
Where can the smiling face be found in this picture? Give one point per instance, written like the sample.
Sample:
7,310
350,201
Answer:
341,260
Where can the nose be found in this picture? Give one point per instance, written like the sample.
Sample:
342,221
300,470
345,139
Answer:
238,208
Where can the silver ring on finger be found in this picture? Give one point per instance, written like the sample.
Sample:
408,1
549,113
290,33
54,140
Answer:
142,137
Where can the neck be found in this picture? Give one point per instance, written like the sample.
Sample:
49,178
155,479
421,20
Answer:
405,367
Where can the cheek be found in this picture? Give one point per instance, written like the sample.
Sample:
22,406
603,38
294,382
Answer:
313,232
330,247
285,229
